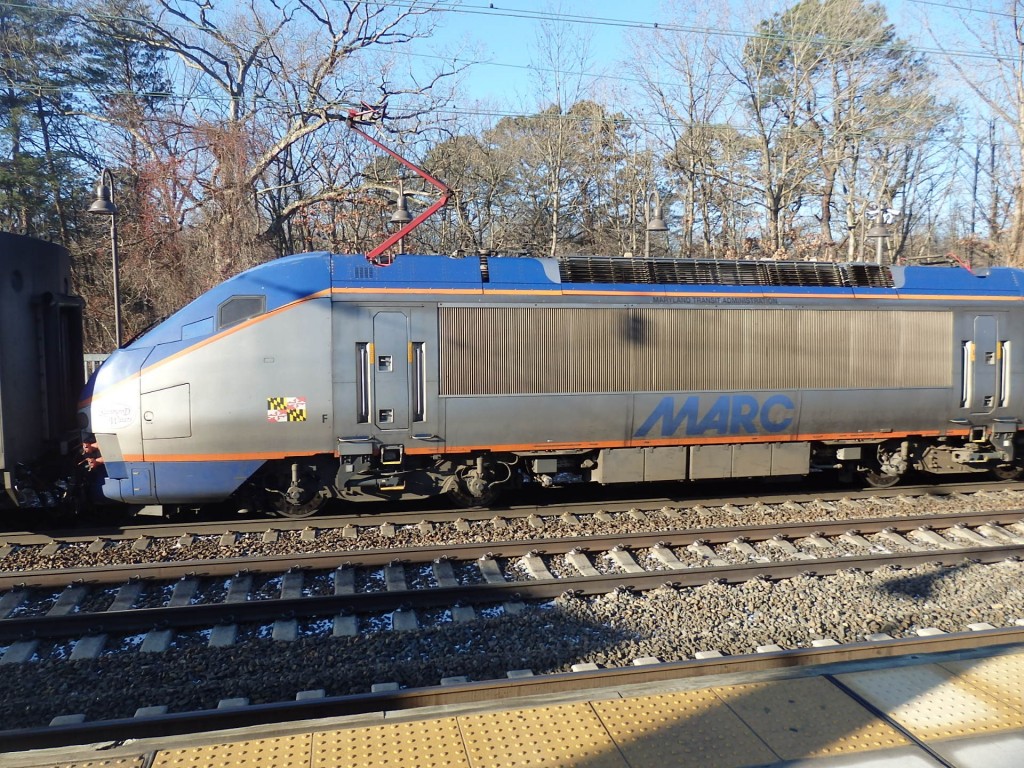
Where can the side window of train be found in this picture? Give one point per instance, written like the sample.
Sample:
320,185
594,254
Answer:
239,308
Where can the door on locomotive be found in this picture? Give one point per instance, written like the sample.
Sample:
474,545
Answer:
385,393
983,368
389,374
985,387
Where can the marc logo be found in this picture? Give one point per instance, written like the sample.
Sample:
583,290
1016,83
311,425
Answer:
724,415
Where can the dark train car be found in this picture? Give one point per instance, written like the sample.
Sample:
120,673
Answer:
41,369
321,375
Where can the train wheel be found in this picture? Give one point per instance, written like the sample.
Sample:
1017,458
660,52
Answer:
1007,471
296,491
461,498
878,479
479,484
284,508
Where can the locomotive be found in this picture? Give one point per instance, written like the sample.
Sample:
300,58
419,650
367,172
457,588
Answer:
321,376
41,372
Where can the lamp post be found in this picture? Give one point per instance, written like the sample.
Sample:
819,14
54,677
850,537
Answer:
655,216
401,216
882,216
103,205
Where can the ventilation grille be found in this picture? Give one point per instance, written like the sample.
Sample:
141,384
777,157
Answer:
588,269
537,350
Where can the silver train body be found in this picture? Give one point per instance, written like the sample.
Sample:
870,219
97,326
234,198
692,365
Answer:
319,376
41,371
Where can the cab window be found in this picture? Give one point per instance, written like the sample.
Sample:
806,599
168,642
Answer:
239,308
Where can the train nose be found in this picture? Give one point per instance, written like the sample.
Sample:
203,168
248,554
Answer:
110,420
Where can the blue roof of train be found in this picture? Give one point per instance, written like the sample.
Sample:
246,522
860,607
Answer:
512,273
297,277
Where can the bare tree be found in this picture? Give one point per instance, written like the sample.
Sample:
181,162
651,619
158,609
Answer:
689,90
828,86
994,73
269,88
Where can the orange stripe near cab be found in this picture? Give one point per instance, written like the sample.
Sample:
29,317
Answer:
522,292
216,337
362,291
192,457
562,446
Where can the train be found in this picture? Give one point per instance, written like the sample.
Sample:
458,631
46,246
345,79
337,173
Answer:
41,373
326,376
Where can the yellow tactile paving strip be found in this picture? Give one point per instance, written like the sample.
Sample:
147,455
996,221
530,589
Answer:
932,703
121,762
723,727
565,735
280,752
999,676
418,743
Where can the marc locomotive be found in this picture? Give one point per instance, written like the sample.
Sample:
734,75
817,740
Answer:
319,376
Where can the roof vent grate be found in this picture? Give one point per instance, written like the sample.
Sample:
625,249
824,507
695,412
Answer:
596,269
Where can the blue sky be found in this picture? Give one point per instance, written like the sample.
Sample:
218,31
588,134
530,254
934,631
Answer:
507,41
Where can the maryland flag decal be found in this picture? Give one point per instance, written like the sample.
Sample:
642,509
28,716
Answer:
280,409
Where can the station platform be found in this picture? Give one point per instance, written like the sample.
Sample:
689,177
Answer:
967,713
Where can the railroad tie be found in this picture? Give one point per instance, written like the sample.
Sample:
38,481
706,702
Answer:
156,641
68,600
404,620
285,630
745,549
239,588
625,560
183,593
855,539
933,538
126,596
345,626
291,585
787,548
394,578
490,571
702,550
971,537
11,600
223,636
154,711
344,581
462,614
996,531
20,652
816,540
88,647
444,574
902,541
667,557
581,563
536,567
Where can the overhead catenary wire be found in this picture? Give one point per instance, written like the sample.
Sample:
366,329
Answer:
493,10
450,6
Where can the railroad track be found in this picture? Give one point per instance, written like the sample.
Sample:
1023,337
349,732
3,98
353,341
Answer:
124,615
314,705
167,544
373,516
464,579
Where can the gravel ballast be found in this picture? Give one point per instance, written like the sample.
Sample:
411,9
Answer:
611,630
